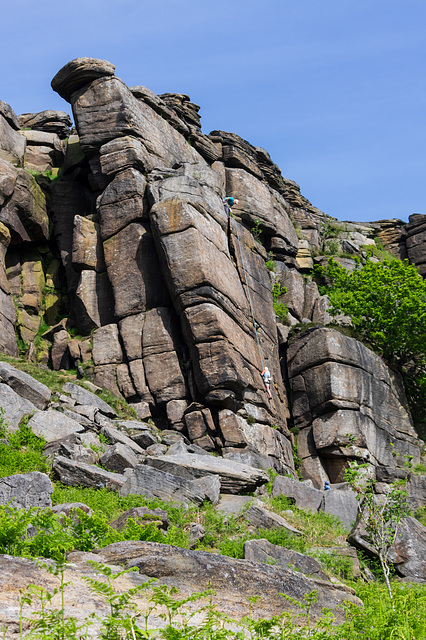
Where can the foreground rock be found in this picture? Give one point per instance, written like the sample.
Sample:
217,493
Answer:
25,385
25,490
53,425
17,573
264,551
234,581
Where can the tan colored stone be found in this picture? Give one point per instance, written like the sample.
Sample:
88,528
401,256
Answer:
159,341
87,252
106,346
122,202
134,271
93,301
25,213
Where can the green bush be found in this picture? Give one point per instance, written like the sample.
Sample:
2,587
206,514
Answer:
281,309
257,230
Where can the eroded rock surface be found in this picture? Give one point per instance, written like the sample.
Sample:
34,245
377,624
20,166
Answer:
347,405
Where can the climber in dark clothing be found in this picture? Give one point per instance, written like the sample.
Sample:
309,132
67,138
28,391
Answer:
229,202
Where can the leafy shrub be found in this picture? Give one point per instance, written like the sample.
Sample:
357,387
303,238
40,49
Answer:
381,618
281,309
270,264
42,533
332,229
257,230
330,248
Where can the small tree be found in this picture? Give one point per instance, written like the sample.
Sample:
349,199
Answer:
381,515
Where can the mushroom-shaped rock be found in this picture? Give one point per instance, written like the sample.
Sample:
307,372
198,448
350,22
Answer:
77,73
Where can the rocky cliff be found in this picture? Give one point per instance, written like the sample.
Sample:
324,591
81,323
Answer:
119,260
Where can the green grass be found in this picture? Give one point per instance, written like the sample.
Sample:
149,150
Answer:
335,565
404,621
22,451
54,380
224,534
120,406
378,251
421,515
319,529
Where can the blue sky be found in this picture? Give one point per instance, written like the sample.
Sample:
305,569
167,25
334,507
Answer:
334,90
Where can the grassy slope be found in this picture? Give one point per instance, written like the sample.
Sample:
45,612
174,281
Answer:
22,452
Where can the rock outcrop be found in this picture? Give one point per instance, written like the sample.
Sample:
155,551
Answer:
348,405
119,261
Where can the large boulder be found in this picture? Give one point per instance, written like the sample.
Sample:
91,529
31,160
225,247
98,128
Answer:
234,581
157,483
105,109
78,73
348,405
234,476
57,122
231,595
25,490
14,407
25,385
53,425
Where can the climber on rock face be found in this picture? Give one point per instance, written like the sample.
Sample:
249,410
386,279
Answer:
229,202
267,379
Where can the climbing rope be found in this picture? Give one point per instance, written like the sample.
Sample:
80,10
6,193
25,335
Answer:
249,297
